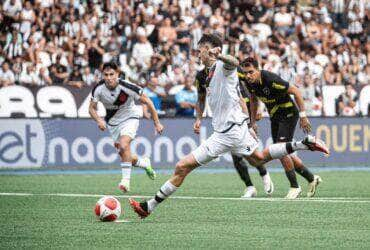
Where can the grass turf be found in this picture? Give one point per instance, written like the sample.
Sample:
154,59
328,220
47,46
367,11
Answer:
68,222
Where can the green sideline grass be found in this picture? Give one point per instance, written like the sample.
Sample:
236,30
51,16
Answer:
40,222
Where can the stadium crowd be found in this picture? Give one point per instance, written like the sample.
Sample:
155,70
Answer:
64,42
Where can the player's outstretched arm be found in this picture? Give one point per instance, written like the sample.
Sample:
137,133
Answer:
94,114
304,122
230,62
146,100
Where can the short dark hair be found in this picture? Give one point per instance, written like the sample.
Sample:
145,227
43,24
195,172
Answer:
250,61
214,39
110,65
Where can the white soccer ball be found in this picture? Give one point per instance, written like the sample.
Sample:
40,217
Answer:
108,208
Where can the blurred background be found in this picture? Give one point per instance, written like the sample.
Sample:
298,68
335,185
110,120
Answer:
51,54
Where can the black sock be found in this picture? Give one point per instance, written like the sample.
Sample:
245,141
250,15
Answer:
262,170
305,173
144,206
241,166
292,178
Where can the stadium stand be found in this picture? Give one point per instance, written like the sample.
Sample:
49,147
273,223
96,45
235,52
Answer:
314,44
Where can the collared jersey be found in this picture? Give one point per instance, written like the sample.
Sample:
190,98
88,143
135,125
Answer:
119,102
272,90
201,84
223,94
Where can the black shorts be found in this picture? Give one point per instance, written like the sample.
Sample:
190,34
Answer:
282,130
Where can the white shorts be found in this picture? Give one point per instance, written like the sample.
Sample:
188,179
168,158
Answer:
128,127
237,140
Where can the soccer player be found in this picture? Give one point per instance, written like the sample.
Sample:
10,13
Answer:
122,120
231,133
240,163
275,93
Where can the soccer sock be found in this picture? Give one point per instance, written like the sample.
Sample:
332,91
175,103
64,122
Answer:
298,145
242,168
279,150
290,174
166,190
305,173
141,163
262,170
126,171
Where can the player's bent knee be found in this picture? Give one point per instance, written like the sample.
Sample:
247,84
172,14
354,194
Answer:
124,147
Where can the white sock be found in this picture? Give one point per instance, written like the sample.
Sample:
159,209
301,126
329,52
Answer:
298,145
166,190
141,163
126,171
278,150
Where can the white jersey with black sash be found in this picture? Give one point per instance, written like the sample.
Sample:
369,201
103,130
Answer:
119,102
223,97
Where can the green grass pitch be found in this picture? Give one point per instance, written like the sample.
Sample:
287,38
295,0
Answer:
339,217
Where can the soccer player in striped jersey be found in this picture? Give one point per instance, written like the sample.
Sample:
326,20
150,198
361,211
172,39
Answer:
122,119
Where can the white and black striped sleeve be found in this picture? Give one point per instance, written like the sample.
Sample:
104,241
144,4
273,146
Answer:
131,89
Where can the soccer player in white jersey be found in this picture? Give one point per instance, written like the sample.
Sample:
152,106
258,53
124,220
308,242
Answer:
122,119
231,133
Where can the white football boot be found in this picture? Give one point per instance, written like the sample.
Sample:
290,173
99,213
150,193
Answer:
312,186
293,193
250,192
268,185
124,185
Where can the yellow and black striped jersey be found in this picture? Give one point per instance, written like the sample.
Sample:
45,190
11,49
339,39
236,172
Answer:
272,90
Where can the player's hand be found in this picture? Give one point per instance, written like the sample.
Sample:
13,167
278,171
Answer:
305,125
159,128
197,126
214,52
258,116
102,126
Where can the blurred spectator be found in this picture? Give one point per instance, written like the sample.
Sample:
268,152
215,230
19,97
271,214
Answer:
11,10
355,18
347,102
167,33
156,93
184,37
87,77
283,20
13,47
186,99
29,76
326,39
58,72
142,50
44,77
27,18
6,75
363,76
75,79
338,8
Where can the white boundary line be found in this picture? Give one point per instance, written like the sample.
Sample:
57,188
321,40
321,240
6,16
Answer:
317,199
